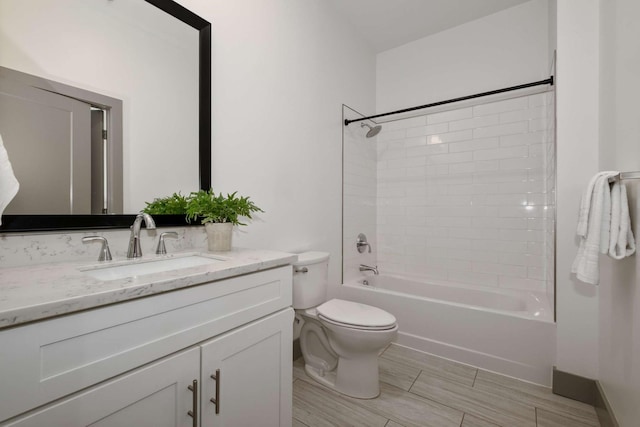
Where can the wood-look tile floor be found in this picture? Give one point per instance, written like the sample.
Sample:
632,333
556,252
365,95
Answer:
418,389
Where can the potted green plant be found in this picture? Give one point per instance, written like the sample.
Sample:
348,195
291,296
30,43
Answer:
176,204
219,214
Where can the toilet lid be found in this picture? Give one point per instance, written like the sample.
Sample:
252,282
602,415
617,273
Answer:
356,314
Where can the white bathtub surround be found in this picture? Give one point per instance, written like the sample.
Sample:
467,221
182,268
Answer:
465,198
529,305
509,332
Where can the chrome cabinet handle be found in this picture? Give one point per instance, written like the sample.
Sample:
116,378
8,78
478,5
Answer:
105,253
301,270
216,400
194,414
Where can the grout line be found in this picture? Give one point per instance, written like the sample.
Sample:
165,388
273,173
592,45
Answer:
474,378
535,411
441,403
307,425
376,410
414,381
430,399
464,414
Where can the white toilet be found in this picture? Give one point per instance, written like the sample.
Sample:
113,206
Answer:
340,340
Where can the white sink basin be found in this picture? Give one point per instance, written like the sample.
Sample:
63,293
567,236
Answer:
148,267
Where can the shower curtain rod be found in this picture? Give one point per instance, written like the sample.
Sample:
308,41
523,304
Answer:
548,81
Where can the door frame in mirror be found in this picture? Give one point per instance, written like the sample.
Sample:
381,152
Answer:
23,223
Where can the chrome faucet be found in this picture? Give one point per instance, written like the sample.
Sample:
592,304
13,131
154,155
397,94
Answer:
135,251
369,268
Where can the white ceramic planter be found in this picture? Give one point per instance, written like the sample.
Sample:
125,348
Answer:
219,236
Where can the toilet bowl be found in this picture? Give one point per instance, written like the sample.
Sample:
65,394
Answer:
340,340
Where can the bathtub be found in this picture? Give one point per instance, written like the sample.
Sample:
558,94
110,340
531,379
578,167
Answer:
509,332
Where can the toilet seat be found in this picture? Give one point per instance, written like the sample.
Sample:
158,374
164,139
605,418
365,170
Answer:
361,328
355,315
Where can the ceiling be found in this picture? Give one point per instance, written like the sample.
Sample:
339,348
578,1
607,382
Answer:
386,24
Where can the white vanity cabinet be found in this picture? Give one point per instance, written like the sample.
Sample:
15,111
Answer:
132,363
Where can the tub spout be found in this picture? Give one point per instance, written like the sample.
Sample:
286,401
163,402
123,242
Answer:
369,268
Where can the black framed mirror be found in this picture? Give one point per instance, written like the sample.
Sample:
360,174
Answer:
22,223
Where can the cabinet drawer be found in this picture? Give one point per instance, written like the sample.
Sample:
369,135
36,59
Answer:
47,360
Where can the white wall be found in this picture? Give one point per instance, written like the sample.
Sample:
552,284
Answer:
504,49
281,71
619,305
577,160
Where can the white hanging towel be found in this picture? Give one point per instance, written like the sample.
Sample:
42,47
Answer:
8,183
595,212
621,244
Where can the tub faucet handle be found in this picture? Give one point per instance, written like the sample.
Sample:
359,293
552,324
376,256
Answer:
361,243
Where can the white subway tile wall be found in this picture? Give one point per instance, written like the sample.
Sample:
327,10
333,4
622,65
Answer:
465,196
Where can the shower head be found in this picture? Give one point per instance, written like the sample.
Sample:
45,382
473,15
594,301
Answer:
373,131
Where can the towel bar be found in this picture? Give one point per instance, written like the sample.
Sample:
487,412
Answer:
625,175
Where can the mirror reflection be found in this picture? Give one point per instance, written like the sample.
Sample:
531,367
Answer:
126,50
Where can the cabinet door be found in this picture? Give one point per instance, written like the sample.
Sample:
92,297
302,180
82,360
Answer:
254,365
156,395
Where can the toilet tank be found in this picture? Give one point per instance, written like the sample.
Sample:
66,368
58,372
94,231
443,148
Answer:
310,279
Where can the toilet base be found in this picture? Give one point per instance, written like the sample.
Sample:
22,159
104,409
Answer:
355,377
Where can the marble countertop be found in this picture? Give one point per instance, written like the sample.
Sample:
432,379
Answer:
41,291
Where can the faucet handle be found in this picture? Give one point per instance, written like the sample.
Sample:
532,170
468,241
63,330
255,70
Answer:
105,253
361,243
162,249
